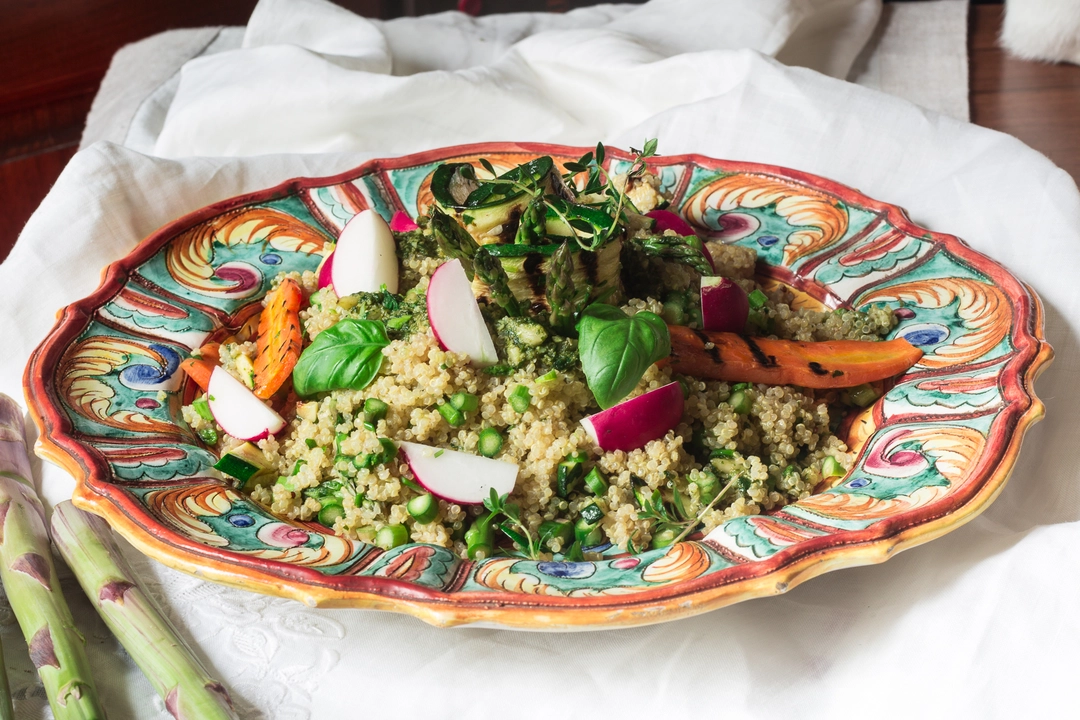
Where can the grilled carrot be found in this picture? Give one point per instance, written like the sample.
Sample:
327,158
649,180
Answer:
198,370
833,364
211,352
279,342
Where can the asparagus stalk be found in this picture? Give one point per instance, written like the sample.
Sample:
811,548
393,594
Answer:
33,589
565,299
490,270
454,240
86,543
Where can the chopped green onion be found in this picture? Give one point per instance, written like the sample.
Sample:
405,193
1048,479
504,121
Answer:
202,407
374,410
708,487
479,538
760,320
423,508
588,534
556,530
863,395
740,402
209,436
592,514
742,386
757,299
465,402
490,442
329,514
549,376
389,450
398,322
453,416
310,442
438,453
570,471
831,467
664,536
390,536
722,453
520,398
296,467
596,483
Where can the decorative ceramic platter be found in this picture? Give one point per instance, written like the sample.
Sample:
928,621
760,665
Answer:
935,450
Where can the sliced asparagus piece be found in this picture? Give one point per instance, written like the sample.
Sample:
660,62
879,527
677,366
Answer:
86,543
33,589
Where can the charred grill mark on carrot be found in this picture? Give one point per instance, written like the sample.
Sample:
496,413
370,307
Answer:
709,347
768,361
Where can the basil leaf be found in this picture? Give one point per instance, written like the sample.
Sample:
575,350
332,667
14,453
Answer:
616,350
344,356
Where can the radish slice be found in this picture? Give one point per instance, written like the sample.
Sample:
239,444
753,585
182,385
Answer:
402,223
459,477
724,305
324,271
238,411
365,258
632,423
668,220
455,317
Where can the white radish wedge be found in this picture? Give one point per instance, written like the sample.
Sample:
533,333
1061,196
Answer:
455,317
459,477
238,411
724,305
632,423
365,257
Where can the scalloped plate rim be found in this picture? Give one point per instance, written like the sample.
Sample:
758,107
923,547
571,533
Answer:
776,574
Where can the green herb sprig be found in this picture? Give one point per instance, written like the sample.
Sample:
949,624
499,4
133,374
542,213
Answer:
513,527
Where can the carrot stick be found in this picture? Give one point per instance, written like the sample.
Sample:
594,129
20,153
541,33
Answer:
211,352
280,340
198,370
833,364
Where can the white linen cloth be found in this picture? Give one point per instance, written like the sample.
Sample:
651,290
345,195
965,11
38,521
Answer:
979,623
313,77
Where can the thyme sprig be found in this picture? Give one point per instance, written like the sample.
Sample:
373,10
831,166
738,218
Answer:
527,545
654,508
600,182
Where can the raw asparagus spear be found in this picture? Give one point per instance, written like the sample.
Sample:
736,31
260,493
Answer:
26,568
86,543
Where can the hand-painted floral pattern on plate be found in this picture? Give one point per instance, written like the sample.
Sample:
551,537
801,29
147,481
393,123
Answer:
936,449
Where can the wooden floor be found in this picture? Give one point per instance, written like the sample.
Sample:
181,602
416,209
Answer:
48,85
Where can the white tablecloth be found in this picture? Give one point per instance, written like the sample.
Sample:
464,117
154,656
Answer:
980,623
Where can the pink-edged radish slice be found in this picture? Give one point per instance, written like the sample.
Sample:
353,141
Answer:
632,423
401,223
724,305
668,220
324,271
457,476
365,257
455,317
238,411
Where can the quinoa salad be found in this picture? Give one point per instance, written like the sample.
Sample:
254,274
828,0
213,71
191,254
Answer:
544,365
